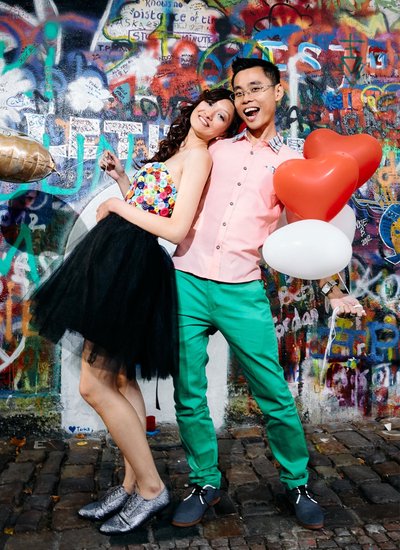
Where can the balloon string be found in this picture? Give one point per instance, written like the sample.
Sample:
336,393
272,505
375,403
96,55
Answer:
343,283
331,337
71,168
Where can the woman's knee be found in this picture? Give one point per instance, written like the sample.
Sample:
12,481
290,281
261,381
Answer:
93,386
88,390
125,384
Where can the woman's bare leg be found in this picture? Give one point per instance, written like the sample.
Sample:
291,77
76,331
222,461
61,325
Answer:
131,391
99,388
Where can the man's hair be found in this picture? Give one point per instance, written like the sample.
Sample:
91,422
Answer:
270,70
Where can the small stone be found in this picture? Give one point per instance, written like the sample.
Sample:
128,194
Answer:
380,493
79,485
246,432
387,469
241,474
83,457
53,463
223,527
360,474
344,459
353,440
36,456
17,472
264,467
373,528
29,521
46,484
326,472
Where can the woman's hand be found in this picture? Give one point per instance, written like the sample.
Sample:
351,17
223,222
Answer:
106,207
111,165
347,305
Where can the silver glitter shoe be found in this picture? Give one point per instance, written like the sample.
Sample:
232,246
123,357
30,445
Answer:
111,502
135,512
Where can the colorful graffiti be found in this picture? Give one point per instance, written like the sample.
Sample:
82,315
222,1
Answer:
111,75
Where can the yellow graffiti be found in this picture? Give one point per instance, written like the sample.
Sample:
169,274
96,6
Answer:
8,319
375,25
163,34
382,90
387,178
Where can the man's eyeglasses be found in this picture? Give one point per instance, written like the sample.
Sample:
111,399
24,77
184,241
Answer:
251,92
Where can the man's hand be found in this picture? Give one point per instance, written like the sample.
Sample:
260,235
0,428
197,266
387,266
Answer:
106,207
347,305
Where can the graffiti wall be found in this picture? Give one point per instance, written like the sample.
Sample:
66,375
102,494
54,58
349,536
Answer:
111,74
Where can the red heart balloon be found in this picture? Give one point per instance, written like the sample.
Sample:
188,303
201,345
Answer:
316,188
365,149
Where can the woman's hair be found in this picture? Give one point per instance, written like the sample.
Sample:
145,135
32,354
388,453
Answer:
180,127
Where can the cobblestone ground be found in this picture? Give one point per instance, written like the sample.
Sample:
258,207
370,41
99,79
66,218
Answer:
355,473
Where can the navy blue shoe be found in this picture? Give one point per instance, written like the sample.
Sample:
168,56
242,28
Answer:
308,512
192,509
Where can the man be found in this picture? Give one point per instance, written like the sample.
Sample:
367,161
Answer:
220,287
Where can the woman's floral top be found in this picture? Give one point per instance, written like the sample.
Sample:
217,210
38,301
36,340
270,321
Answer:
152,189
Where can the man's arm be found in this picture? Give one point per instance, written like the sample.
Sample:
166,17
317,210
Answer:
338,299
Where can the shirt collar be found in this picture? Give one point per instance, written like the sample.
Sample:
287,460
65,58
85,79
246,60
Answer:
275,143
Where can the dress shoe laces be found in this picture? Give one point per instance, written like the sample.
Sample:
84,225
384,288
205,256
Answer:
131,504
198,491
303,491
110,495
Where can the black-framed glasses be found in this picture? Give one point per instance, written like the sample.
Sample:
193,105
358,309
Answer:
251,92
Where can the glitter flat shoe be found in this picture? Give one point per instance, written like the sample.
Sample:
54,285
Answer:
112,501
136,511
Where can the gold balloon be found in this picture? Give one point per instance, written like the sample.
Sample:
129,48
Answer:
22,158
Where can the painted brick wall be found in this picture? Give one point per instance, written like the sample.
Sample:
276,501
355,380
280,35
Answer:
111,74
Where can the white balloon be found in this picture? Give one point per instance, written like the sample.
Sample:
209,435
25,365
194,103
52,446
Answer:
345,221
308,249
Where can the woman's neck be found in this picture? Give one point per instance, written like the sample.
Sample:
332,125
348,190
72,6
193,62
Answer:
192,141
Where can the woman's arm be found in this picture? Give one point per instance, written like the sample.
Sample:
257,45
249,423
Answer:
113,168
195,173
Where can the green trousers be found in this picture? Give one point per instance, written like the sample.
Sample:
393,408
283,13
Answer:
242,313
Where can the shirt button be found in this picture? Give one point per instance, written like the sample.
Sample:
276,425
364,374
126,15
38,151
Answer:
251,152
217,247
239,183
224,224
244,167
231,203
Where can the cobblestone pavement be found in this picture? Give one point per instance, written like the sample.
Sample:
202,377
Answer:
355,473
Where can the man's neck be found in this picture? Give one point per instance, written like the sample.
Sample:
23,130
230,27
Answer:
258,136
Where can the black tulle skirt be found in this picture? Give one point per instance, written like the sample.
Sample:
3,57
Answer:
116,289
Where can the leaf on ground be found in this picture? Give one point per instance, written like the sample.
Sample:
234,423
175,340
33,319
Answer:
18,441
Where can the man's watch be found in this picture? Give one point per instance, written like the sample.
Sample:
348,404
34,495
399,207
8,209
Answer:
327,287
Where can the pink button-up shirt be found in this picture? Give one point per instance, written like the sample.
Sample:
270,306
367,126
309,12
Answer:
238,210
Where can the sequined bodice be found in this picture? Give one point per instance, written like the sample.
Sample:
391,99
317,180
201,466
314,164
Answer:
152,189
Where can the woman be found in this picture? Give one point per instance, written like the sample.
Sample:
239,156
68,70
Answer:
117,290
